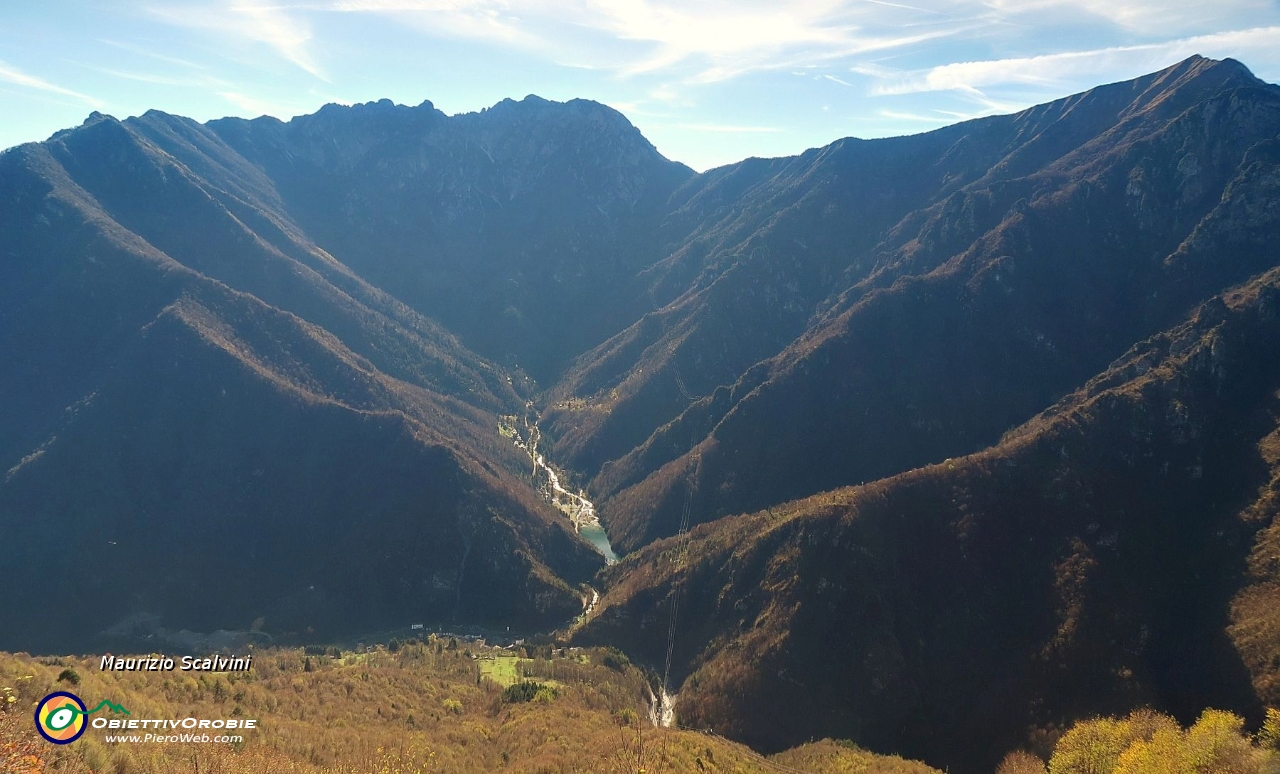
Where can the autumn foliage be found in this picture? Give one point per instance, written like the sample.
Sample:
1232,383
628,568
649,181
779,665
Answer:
1147,742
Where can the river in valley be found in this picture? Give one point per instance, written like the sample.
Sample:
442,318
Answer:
525,434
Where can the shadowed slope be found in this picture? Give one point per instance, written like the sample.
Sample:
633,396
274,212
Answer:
1111,552
226,422
520,227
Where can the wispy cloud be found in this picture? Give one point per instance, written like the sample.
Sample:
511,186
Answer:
10,74
197,81
874,70
707,42
496,21
902,115
728,128
1149,17
139,50
1065,69
259,107
730,41
719,40
668,94
938,117
287,34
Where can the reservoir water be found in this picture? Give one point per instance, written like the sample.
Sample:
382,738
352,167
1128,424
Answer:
595,535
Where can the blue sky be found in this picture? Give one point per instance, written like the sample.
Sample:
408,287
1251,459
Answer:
709,83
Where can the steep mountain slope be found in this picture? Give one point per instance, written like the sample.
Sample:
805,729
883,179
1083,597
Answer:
211,419
1115,551
971,314
520,228
770,240
224,225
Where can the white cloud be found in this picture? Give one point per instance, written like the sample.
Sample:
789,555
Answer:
199,81
905,6
709,41
728,128
717,40
13,75
258,107
496,21
720,41
668,94
901,115
1069,68
874,70
287,34
665,58
151,54
1146,17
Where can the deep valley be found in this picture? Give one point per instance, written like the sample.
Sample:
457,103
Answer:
939,444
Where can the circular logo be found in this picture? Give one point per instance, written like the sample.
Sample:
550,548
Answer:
60,717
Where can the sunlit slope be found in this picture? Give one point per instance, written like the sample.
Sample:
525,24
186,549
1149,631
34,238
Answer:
1116,551
423,708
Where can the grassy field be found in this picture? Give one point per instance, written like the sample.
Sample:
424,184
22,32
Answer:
500,668
427,707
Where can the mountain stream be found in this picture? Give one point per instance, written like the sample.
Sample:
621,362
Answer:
525,434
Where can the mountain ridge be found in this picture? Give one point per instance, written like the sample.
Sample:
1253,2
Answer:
1010,237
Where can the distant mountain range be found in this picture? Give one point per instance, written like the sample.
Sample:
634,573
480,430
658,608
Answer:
978,429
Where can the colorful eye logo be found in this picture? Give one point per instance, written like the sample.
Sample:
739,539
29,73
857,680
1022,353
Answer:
60,717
